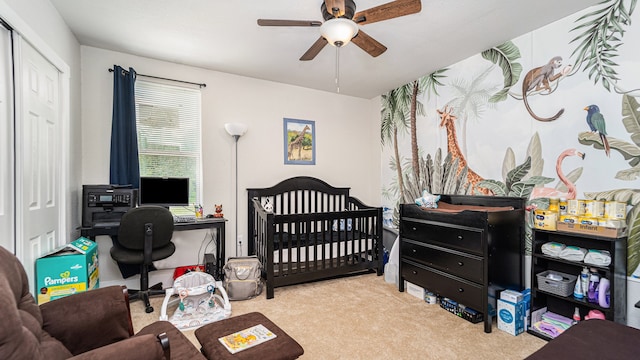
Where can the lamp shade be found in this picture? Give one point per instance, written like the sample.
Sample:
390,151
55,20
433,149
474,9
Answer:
338,31
235,129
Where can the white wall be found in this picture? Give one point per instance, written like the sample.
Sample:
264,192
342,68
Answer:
347,137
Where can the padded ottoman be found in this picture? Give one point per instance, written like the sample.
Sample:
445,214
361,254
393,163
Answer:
283,347
592,339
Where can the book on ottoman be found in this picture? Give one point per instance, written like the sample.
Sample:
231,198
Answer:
246,338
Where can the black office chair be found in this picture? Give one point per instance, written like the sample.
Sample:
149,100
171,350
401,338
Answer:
144,236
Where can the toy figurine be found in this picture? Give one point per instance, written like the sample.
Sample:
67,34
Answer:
218,213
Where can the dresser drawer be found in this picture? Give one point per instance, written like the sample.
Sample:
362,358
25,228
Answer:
457,289
465,239
451,261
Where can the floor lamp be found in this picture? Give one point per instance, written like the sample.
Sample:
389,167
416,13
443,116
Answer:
236,130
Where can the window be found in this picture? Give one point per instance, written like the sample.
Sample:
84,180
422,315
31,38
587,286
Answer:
168,124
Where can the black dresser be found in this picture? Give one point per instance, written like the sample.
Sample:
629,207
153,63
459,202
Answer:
458,254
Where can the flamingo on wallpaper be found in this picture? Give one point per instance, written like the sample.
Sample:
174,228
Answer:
545,192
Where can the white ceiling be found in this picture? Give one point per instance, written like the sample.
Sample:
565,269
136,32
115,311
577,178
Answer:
223,35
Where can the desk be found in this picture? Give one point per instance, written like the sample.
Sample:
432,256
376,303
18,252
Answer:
209,223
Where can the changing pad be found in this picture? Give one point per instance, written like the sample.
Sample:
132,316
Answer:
452,208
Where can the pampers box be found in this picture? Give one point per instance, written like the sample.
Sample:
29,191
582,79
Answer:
70,269
511,316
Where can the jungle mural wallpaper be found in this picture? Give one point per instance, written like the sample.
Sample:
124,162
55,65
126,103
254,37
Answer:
553,113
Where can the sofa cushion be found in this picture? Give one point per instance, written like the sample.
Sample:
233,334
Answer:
181,347
21,334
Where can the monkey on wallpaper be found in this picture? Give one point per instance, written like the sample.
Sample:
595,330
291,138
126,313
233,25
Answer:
538,79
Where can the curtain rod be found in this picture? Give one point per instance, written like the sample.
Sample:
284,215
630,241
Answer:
201,85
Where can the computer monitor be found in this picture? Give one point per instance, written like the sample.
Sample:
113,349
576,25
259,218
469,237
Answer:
164,191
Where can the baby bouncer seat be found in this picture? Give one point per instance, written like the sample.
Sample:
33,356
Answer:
201,301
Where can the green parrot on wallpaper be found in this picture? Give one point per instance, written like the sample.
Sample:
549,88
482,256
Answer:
596,123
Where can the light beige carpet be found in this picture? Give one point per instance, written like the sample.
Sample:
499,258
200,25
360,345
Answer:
363,317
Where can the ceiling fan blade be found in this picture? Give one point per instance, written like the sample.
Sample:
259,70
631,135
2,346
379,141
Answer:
388,11
271,22
314,49
368,44
332,5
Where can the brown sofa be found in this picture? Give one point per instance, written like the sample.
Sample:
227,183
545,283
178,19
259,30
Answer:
90,325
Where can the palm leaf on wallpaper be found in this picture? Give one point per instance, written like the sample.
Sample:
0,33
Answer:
598,44
505,57
573,177
437,176
534,150
515,185
630,197
433,80
630,151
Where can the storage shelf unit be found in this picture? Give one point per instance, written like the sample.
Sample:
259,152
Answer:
459,255
565,305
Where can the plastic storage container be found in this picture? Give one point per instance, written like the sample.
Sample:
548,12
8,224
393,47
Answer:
562,287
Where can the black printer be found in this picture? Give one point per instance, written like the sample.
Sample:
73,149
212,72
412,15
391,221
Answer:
104,205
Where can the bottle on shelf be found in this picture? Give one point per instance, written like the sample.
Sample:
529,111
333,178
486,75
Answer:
594,280
578,293
554,204
603,293
576,315
584,281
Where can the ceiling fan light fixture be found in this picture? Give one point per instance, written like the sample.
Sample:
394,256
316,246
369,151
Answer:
339,31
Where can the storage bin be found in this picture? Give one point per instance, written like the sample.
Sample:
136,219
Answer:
562,287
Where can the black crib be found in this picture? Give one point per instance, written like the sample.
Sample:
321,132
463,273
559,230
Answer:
311,231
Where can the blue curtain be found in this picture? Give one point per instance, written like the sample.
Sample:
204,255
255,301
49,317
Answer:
124,164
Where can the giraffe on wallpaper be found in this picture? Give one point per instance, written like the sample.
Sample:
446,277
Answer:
447,120
297,143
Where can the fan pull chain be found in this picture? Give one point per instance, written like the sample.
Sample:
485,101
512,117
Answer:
338,69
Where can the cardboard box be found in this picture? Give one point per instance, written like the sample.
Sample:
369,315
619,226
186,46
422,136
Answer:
70,269
511,296
511,316
415,290
592,229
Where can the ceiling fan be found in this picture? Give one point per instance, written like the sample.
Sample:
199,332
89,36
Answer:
343,13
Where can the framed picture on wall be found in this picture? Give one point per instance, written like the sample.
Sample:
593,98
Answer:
299,142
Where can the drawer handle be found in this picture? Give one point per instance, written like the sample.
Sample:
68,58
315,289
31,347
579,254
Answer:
414,228
460,263
414,272
414,251
460,237
460,290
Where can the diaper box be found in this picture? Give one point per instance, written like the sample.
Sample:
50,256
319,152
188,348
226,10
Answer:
511,296
415,290
511,316
70,269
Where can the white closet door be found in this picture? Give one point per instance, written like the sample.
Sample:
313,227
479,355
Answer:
38,167
7,171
